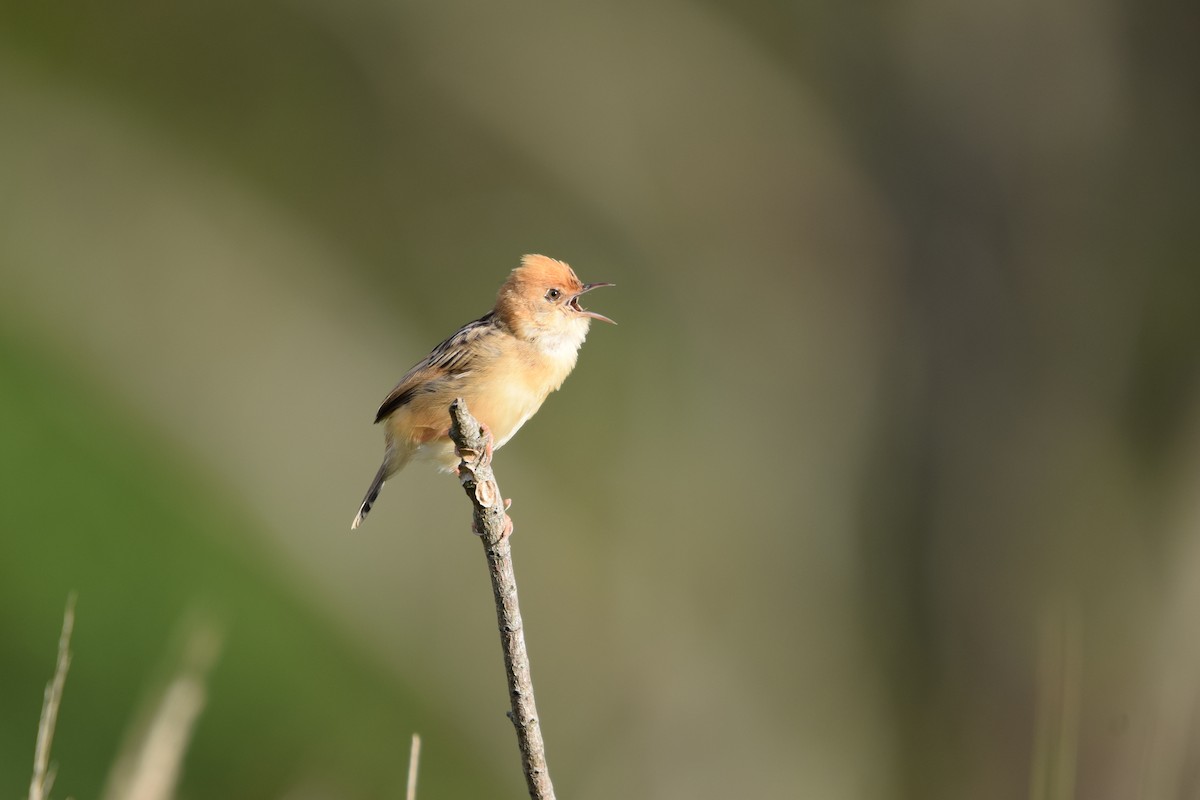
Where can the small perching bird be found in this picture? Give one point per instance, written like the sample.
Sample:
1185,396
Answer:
503,365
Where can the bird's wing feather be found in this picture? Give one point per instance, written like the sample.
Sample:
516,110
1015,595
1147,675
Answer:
448,361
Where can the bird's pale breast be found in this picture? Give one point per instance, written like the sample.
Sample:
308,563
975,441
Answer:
503,394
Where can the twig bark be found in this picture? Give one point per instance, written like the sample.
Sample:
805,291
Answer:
474,447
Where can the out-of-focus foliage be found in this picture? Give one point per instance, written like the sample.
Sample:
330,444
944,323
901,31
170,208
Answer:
885,486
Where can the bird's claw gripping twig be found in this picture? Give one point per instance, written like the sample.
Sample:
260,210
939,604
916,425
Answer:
474,458
488,443
485,491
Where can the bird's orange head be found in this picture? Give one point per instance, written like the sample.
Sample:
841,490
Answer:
540,302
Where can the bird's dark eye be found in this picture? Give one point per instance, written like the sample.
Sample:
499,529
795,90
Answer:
553,295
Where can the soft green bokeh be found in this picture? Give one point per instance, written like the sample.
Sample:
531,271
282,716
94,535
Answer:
885,485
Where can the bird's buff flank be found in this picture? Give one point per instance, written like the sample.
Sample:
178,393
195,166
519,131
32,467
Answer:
503,365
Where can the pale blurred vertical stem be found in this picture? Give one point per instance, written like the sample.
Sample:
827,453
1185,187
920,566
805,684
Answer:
148,766
414,758
43,778
493,527
1056,736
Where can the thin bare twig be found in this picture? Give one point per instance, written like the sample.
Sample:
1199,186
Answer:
43,776
414,758
493,526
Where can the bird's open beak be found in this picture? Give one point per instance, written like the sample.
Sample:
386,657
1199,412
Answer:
587,287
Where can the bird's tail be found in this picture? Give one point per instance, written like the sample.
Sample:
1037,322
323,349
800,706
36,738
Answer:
372,493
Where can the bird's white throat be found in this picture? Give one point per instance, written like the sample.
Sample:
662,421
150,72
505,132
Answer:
563,345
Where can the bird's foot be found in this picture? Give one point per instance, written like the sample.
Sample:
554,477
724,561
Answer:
488,443
474,458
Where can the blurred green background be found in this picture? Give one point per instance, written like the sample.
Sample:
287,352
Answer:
886,486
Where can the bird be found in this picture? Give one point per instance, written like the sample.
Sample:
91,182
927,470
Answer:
503,365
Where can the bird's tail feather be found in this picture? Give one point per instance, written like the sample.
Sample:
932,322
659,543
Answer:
372,493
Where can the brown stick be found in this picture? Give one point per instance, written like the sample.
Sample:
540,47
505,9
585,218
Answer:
474,447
